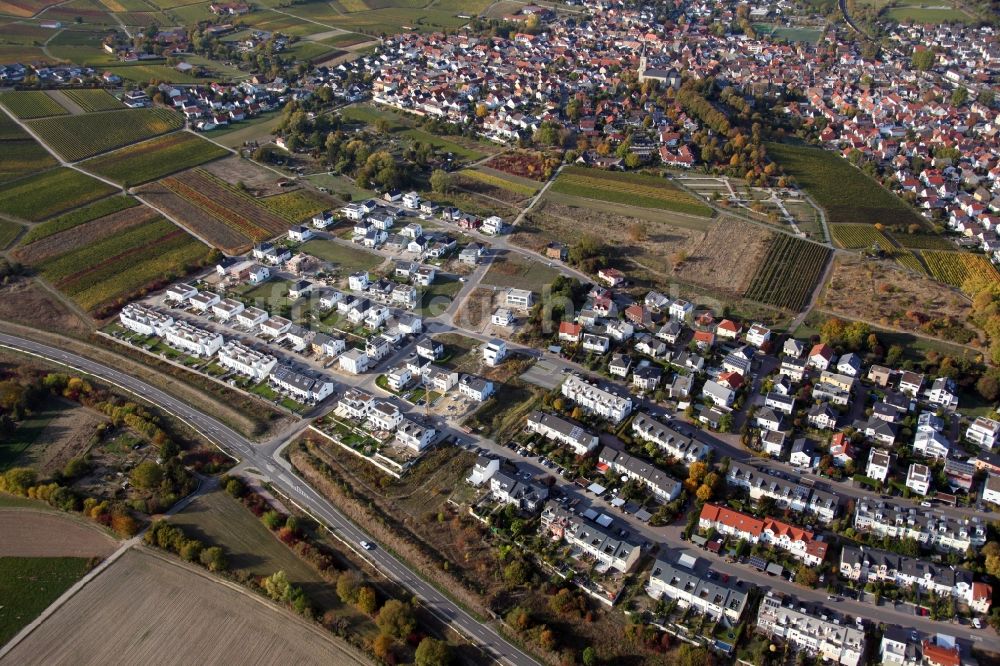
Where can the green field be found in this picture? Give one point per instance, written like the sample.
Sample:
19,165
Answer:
26,433
94,100
154,159
522,186
848,195
925,14
117,268
50,193
31,104
633,189
859,236
442,144
436,298
347,258
806,35
8,232
28,585
788,275
79,137
217,519
78,216
20,157
513,271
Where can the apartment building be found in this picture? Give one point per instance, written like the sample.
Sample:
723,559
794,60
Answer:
589,538
655,479
246,361
673,443
299,386
930,528
564,431
193,340
606,402
699,588
812,628
144,321
801,543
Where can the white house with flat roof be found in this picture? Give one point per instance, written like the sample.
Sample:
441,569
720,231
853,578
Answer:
144,321
246,361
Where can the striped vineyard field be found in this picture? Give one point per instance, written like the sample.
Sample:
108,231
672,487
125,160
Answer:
955,268
787,277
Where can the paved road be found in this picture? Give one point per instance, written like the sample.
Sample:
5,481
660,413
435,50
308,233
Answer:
266,459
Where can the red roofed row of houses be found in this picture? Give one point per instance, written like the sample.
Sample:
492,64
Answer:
801,543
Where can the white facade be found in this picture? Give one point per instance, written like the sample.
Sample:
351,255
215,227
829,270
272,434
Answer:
354,361
193,340
494,352
144,321
597,400
246,361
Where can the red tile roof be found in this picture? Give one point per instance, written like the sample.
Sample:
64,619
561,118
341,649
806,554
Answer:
734,519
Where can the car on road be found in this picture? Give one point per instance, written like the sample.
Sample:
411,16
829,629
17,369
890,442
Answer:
977,623
366,545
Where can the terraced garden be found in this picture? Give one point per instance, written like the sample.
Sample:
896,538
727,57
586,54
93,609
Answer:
788,275
50,193
94,100
31,104
153,159
79,137
628,188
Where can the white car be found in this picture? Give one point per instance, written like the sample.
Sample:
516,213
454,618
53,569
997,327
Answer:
366,545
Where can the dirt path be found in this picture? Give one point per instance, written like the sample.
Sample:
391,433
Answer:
65,102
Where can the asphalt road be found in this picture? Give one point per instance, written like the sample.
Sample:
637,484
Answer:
266,459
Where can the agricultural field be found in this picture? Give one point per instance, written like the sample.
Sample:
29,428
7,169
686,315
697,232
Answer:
923,241
524,164
28,585
50,193
298,205
78,216
31,104
177,609
628,188
348,259
21,155
83,136
954,268
81,45
94,100
24,8
788,275
105,272
8,232
848,195
725,258
79,235
504,187
859,236
227,205
156,158
859,288
44,533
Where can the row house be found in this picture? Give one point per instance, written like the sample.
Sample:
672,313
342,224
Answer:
929,528
718,597
665,487
604,401
812,629
248,362
802,544
590,539
564,431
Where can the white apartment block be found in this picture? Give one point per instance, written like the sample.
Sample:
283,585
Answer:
561,430
706,593
675,444
811,628
414,436
227,308
518,299
195,341
927,527
180,293
246,361
604,402
144,321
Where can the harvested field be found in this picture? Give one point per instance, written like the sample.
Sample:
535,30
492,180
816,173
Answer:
197,221
149,160
259,181
28,303
50,193
41,533
67,435
726,257
177,610
83,234
83,136
861,288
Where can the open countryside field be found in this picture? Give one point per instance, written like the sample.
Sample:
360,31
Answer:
79,137
788,275
347,259
954,268
78,216
24,8
628,188
45,533
848,195
77,236
94,100
860,288
101,274
153,159
31,104
20,157
179,611
28,585
8,232
50,193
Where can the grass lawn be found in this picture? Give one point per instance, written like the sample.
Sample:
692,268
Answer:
218,519
436,298
349,259
443,144
234,134
28,585
513,271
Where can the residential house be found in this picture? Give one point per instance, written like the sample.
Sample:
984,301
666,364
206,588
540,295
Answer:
354,361
812,629
803,453
518,299
179,293
931,444
658,482
604,401
597,344
822,416
483,470
494,352
569,332
880,375
879,464
910,383
475,388
564,431
780,403
718,394
758,335
620,365
772,442
646,377
918,478
414,436
430,348
596,541
192,340
820,356
983,431
930,528
145,321
301,387
706,592
299,234
849,365
525,495
767,419
673,443
502,317
943,393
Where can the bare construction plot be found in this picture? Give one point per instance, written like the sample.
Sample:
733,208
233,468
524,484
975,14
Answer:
146,609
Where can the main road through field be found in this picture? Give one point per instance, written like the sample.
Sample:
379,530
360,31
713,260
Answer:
263,458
